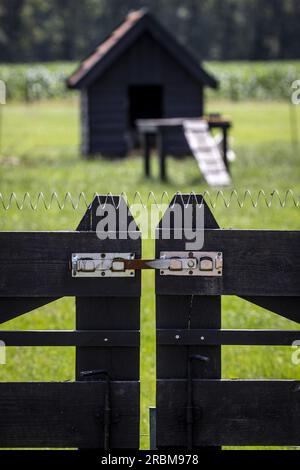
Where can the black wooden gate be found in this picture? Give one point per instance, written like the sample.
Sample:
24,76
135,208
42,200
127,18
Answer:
101,408
194,407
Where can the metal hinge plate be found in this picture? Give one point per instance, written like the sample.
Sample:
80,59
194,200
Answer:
101,265
170,263
196,263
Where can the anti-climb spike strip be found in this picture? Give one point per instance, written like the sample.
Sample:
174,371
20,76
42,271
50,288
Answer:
259,198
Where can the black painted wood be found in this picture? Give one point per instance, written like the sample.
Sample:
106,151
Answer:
97,210
264,263
256,263
67,414
162,153
145,138
146,54
230,412
192,206
88,338
262,267
14,307
288,307
37,264
144,23
177,309
35,270
189,313
210,337
112,311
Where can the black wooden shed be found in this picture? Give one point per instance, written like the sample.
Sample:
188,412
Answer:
139,71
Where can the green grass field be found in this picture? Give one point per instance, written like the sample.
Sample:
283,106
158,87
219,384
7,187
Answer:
39,152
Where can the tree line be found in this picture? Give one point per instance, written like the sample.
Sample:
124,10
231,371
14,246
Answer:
47,30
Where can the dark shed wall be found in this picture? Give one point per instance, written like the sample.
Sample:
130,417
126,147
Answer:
145,63
84,116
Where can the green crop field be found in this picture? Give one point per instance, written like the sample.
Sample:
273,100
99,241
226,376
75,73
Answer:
238,80
39,152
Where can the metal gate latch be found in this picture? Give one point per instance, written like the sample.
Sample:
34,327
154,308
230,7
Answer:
101,265
197,263
170,263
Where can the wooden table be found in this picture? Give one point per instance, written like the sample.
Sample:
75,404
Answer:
159,128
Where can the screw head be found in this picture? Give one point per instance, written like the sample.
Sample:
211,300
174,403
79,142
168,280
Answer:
177,336
103,273
191,273
202,338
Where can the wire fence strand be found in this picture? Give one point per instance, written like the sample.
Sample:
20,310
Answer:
213,199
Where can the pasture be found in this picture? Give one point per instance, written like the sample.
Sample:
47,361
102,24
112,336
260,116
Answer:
39,152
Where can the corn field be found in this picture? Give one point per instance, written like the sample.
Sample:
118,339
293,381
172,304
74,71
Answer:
238,80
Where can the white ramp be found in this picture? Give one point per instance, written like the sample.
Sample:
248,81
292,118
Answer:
206,152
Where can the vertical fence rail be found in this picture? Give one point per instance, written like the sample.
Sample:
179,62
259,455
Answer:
120,311
185,312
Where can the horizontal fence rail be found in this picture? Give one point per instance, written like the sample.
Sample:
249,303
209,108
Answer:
227,337
256,262
37,264
67,414
87,338
230,412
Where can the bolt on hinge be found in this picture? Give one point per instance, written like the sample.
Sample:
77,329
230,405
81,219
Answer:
170,263
197,263
101,265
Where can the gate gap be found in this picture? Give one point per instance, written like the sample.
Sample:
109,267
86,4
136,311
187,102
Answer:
148,344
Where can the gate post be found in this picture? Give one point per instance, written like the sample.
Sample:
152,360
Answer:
118,309
180,305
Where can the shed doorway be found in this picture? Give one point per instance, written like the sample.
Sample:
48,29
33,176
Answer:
145,102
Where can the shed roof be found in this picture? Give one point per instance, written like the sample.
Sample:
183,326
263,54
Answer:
135,24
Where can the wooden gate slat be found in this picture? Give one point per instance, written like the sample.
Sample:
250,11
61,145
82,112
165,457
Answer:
230,412
288,307
87,338
67,414
256,263
14,307
209,337
114,306
36,264
181,310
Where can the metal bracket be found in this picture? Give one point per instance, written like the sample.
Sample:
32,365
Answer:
190,401
101,265
196,263
153,427
90,374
